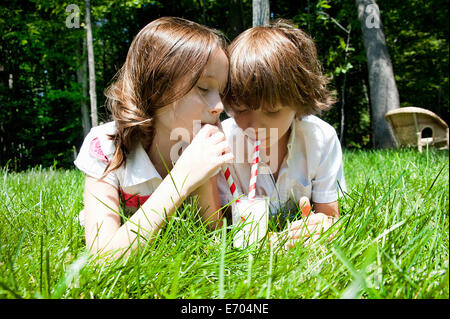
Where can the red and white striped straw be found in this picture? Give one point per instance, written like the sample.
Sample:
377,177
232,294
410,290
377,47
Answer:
230,182
254,173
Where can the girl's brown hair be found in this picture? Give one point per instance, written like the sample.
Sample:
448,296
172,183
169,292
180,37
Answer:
273,66
164,62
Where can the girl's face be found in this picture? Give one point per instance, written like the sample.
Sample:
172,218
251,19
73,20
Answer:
203,103
268,127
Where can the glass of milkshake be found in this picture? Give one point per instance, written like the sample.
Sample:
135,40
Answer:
250,218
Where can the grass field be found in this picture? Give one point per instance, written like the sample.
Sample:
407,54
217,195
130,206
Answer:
392,242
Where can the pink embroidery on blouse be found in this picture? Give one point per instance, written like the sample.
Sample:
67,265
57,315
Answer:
131,200
96,150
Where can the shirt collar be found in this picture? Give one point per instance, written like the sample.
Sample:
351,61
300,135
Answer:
138,168
291,149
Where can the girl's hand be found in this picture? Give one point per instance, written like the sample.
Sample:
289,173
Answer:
208,151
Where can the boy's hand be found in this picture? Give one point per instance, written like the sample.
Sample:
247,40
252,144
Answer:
310,227
305,206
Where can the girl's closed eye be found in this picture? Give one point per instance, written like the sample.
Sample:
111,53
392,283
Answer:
203,89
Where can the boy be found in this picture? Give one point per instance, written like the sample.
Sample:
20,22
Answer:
276,87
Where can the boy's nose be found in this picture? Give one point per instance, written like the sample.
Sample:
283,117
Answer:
254,122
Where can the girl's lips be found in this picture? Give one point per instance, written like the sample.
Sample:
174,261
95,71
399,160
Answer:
213,123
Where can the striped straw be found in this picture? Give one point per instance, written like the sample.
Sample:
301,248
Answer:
230,182
254,173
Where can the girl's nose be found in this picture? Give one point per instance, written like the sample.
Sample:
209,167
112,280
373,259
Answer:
216,108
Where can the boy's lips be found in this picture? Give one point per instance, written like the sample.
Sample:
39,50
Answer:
253,136
250,135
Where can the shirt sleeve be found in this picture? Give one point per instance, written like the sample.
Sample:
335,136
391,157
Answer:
92,160
329,181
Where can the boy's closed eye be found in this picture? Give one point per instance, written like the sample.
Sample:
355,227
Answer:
269,113
273,112
239,110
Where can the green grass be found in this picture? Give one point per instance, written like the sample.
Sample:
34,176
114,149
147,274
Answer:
392,242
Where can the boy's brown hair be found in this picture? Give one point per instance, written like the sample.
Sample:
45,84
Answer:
276,65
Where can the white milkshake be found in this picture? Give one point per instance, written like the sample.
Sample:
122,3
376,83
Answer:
251,218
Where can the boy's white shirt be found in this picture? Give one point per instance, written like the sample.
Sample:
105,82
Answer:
312,167
137,177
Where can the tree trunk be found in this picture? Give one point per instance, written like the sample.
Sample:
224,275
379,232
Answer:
261,12
82,79
347,45
383,90
91,62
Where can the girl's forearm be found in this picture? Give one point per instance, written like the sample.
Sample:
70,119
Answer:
151,216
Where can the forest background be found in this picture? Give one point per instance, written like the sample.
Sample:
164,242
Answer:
43,62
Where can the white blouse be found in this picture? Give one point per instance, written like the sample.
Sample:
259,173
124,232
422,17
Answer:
135,181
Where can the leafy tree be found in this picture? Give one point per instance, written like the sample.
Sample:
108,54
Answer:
42,88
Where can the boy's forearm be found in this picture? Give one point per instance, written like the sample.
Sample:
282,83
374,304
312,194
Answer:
330,209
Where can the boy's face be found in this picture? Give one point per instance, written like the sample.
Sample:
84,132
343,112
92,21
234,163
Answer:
269,127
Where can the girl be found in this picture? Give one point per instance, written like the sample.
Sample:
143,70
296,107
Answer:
174,76
276,87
